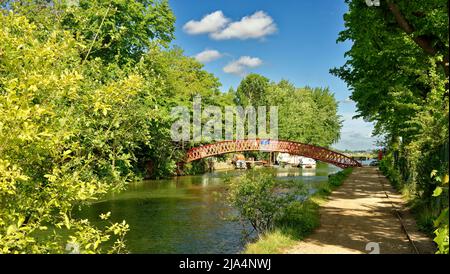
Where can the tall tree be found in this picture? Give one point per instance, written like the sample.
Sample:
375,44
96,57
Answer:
252,90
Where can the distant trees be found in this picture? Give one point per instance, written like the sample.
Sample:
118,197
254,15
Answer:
304,114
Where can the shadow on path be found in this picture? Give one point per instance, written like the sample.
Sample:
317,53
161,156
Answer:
359,213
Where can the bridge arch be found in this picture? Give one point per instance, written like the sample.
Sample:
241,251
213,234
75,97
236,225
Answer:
267,145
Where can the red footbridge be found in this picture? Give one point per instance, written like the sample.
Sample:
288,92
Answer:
267,145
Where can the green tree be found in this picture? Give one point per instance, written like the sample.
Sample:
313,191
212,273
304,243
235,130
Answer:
304,114
66,138
181,77
390,70
327,122
252,90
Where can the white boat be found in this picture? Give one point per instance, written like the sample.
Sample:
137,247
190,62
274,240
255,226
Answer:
287,159
306,162
241,164
239,161
295,160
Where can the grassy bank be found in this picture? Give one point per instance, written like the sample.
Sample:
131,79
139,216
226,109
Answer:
299,220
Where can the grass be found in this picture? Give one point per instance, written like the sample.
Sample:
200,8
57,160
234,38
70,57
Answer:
270,243
299,220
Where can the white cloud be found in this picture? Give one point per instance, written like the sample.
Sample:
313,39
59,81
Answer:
356,134
251,62
254,26
210,23
208,56
234,68
257,25
239,67
347,101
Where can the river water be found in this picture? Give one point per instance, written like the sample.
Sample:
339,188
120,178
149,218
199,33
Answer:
184,214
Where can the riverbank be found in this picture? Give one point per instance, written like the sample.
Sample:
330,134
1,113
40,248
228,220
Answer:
301,221
366,212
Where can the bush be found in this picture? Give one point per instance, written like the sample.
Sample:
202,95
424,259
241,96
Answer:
262,200
392,174
441,223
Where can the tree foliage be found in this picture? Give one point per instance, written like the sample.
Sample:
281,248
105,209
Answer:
252,90
65,137
115,31
441,223
305,114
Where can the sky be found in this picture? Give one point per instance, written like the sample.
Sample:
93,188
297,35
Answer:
286,39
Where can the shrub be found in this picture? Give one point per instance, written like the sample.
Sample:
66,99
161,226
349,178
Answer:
262,200
441,223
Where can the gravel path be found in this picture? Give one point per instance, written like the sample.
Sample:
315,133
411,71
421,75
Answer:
363,211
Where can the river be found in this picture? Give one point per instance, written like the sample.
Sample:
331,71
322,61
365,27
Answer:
183,214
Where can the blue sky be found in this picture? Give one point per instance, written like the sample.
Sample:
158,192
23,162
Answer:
286,39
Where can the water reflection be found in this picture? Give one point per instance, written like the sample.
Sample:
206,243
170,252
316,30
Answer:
309,172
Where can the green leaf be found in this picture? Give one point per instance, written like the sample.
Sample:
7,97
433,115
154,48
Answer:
20,221
437,191
11,229
433,173
66,221
445,179
443,218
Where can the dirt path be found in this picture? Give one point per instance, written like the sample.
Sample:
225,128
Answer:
361,211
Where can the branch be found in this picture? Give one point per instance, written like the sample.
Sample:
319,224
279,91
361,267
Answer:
445,63
421,41
96,34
